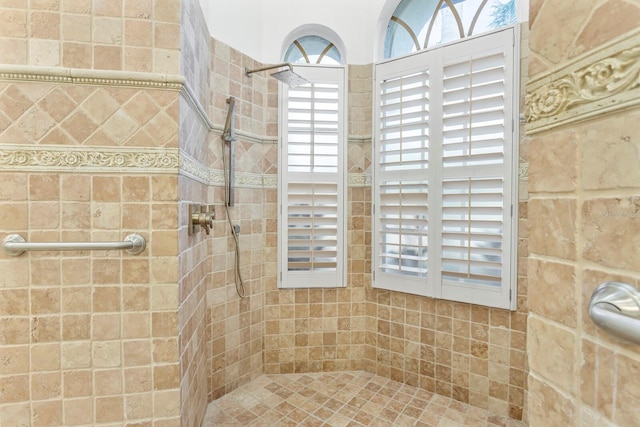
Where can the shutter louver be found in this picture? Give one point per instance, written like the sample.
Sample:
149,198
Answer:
403,188
445,177
312,226
473,141
312,182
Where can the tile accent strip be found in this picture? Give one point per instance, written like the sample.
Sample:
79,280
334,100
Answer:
606,79
88,159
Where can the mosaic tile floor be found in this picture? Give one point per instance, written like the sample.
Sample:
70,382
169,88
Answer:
350,399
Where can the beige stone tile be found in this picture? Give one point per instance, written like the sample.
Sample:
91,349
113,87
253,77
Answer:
107,30
608,155
607,22
47,413
569,16
166,36
106,354
77,383
605,225
138,59
105,326
75,27
167,403
136,353
558,279
109,409
44,25
46,385
19,386
107,57
552,352
16,23
547,405
78,411
76,355
13,51
138,379
553,162
552,225
77,55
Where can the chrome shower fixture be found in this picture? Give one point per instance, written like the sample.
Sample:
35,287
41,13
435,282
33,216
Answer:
288,77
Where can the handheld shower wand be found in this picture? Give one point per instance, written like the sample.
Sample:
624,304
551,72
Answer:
229,135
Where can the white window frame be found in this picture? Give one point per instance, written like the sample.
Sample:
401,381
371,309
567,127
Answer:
314,279
434,61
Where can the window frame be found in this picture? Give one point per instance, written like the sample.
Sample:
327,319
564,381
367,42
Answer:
314,279
433,285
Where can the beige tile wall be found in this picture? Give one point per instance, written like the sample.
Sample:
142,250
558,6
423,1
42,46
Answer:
131,35
194,258
583,206
127,333
94,331
235,325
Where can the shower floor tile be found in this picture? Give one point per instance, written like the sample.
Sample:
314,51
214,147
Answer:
352,399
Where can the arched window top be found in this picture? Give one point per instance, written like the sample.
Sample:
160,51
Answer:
313,50
421,24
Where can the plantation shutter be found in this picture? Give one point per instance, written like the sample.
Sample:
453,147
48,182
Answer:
444,178
476,168
402,187
312,181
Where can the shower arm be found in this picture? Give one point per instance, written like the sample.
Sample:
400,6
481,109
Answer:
248,72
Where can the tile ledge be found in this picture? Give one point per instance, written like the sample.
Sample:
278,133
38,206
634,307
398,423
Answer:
88,76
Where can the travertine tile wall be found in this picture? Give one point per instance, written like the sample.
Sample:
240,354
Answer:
103,338
235,325
583,224
194,259
131,35
90,337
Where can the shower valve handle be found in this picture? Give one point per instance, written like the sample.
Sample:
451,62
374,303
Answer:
203,219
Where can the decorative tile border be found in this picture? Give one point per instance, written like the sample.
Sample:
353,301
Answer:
88,159
604,80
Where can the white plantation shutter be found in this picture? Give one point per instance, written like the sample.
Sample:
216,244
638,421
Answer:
403,157
312,181
470,172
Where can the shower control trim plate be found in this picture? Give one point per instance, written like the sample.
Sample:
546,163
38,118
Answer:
201,217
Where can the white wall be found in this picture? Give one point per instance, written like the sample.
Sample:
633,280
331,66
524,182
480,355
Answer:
259,27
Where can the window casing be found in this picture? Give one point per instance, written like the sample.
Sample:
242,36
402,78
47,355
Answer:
312,180
445,172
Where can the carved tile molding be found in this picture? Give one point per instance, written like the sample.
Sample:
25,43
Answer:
88,159
604,80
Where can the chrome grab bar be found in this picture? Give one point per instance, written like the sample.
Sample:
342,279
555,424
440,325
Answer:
15,245
615,307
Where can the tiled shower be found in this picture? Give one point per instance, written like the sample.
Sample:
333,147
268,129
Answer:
110,122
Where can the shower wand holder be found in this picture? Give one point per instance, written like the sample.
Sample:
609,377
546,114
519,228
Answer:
201,217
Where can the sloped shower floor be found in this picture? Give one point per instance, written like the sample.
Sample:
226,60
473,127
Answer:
353,398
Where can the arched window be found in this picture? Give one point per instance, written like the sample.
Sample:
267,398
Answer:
313,50
421,24
445,152
312,165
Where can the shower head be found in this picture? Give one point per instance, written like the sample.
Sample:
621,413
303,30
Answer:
288,77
